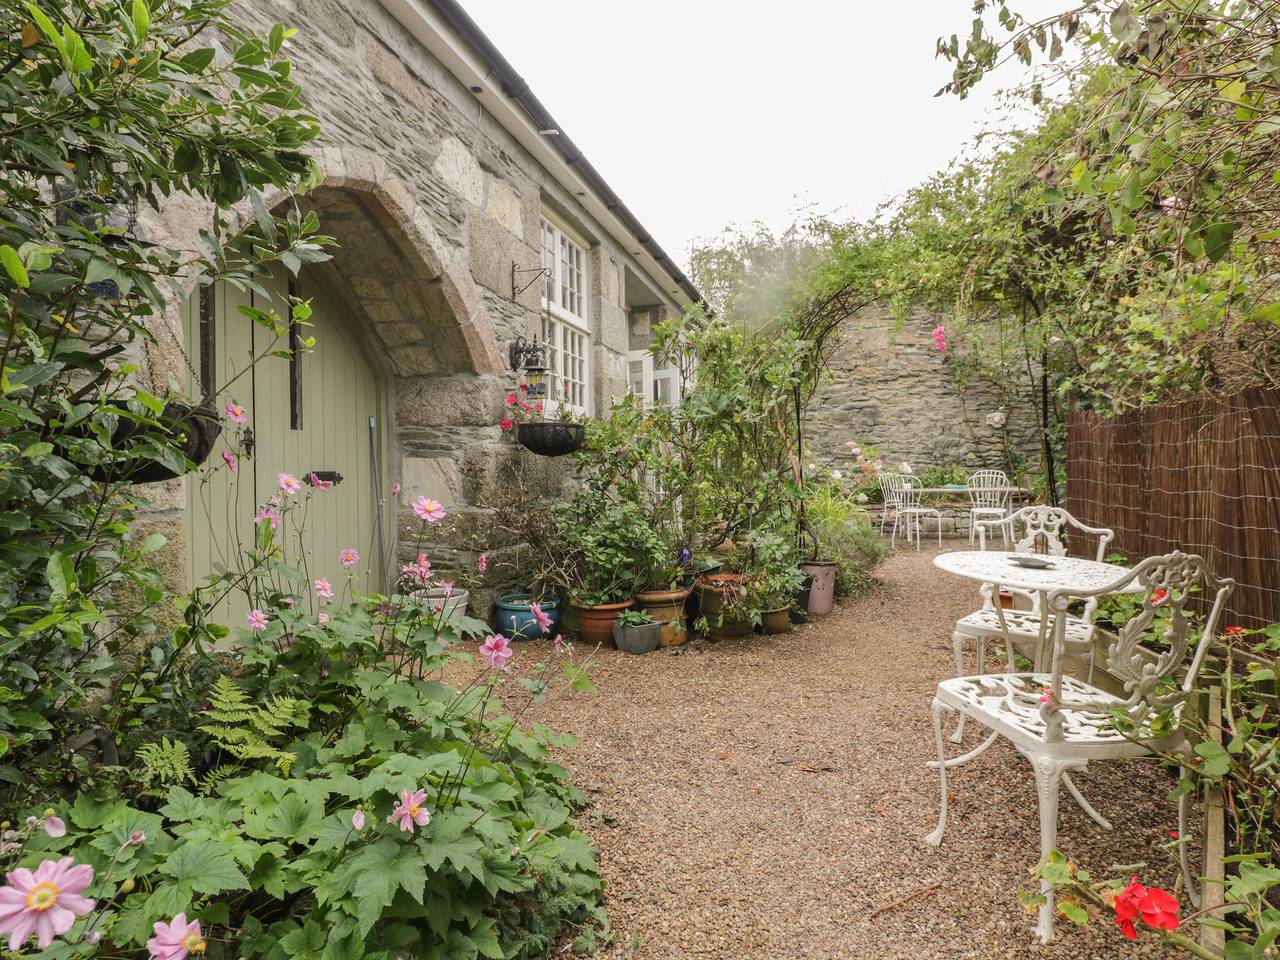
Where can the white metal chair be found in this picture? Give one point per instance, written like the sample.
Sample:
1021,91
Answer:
1044,530
1060,723
989,498
891,493
911,512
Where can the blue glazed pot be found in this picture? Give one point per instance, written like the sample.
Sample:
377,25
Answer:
515,620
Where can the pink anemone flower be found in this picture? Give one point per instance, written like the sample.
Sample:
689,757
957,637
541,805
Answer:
45,902
496,651
427,509
541,616
175,939
410,810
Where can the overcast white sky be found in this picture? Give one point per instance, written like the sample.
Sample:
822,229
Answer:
703,113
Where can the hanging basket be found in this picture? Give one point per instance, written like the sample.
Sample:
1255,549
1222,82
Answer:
191,429
549,438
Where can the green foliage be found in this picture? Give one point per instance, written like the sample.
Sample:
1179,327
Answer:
107,107
843,533
164,763
245,730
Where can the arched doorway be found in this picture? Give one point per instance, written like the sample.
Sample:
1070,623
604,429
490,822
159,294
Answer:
322,411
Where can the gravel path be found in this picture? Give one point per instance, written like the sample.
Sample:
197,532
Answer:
760,799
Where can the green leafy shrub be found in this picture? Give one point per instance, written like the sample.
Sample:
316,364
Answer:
111,107
844,533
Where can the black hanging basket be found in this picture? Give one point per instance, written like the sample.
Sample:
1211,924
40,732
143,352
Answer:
549,438
191,429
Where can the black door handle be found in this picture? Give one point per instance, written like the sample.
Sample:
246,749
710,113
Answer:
322,478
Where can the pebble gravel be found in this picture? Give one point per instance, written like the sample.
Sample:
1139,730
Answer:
764,798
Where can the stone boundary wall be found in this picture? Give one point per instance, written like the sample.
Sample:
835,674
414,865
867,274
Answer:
890,388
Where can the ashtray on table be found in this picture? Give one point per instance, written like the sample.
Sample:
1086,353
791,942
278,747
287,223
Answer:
1032,563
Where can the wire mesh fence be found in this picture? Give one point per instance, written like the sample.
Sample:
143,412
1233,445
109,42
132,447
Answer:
1201,476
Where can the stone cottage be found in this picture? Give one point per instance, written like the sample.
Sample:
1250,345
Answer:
466,218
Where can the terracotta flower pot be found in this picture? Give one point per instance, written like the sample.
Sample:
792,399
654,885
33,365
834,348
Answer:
776,621
713,591
666,607
595,624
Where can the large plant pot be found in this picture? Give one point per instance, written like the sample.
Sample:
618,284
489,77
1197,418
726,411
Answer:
666,607
636,638
515,620
776,621
702,568
822,593
452,607
800,606
595,624
713,589
550,438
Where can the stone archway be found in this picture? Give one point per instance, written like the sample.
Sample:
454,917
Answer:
403,274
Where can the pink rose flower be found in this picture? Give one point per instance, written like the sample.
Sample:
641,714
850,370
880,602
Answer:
229,459
175,939
429,510
496,651
236,413
349,557
410,811
257,621
45,902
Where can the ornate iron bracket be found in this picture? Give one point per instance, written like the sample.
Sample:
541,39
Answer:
516,287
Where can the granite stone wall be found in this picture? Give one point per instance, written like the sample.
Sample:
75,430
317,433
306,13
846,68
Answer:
432,203
891,389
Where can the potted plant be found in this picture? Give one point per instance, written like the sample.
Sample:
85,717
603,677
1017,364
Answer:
772,556
664,594
603,540
636,632
727,604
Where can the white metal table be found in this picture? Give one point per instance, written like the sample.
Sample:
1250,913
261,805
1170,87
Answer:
1063,573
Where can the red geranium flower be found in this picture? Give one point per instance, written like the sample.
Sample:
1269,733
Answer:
1234,631
1153,906
507,423
1158,595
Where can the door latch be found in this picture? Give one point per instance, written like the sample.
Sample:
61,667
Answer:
322,478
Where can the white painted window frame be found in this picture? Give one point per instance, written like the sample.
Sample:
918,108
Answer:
553,238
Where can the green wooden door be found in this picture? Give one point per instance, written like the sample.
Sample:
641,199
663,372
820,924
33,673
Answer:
319,412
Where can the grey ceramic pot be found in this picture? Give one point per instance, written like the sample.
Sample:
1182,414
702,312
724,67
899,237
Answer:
641,638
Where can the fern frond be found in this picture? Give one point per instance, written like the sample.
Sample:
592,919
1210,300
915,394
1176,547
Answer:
245,730
165,763
216,775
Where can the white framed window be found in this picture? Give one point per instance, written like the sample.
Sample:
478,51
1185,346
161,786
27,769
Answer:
656,386
566,326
